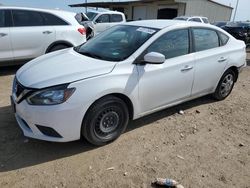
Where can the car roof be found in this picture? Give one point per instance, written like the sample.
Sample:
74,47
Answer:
58,11
65,15
161,24
192,17
104,11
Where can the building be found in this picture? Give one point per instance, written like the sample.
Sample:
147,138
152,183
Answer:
165,9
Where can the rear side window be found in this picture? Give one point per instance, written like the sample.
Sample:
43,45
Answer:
195,20
223,38
50,19
205,39
2,18
116,18
22,18
172,44
103,19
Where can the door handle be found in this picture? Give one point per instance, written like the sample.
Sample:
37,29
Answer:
187,68
222,59
47,32
3,34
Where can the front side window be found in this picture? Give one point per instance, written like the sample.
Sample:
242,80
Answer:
103,19
50,19
205,39
2,18
116,18
23,18
117,43
172,44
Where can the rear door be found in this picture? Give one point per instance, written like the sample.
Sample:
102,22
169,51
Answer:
211,58
30,36
6,53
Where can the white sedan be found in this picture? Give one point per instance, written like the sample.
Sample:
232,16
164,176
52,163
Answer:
127,72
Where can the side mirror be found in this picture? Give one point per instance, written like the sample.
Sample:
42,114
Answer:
154,58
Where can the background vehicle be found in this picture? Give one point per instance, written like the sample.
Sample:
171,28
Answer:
26,33
88,25
94,89
105,19
193,19
220,23
240,30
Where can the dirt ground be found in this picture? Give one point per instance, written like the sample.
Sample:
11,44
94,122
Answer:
208,146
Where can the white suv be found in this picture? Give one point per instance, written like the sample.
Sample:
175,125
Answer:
26,33
103,20
200,19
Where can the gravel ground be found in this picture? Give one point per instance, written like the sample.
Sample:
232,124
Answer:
208,146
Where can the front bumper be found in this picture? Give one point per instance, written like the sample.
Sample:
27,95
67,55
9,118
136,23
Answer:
58,123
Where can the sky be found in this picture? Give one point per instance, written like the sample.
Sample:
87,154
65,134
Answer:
243,12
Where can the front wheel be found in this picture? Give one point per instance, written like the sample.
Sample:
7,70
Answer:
105,121
225,85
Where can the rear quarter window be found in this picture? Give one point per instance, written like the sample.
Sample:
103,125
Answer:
205,20
223,38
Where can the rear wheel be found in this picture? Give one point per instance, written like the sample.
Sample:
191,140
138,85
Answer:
105,121
225,85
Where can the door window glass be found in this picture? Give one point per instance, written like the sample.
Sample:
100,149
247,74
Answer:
103,19
205,39
116,18
172,44
2,18
50,19
26,18
195,20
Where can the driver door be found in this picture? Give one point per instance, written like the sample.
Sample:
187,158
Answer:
168,83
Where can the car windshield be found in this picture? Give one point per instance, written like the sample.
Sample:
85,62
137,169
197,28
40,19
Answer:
91,15
181,18
117,43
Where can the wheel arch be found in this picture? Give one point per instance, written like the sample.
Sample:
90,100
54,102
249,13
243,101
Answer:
235,70
121,96
60,42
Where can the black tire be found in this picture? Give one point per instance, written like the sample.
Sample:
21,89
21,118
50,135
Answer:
225,85
58,47
105,121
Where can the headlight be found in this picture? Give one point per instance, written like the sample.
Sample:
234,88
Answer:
51,96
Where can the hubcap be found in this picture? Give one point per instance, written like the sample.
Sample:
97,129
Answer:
227,85
107,122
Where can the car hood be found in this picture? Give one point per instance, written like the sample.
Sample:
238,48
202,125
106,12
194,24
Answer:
61,67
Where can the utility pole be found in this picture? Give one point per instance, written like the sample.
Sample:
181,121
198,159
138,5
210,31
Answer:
236,10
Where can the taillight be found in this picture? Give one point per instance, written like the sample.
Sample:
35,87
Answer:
82,31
